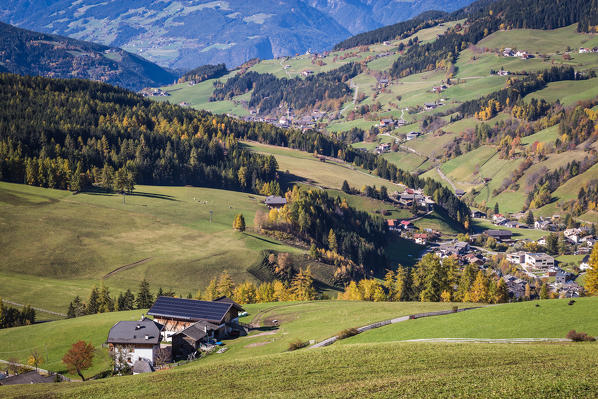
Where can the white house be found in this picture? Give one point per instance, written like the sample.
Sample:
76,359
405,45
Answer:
585,263
539,260
516,257
133,341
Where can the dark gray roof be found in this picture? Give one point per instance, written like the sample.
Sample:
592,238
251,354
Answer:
228,300
142,366
499,233
197,330
190,309
275,200
30,377
145,331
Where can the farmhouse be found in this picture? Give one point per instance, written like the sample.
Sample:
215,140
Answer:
135,341
478,215
187,342
387,122
429,106
275,201
412,135
499,235
176,314
539,260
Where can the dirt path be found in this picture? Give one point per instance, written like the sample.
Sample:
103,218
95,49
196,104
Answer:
449,181
126,267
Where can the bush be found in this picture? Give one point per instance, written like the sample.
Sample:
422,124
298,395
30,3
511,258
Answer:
349,332
297,344
579,336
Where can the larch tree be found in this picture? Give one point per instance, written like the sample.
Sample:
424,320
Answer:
225,286
591,281
79,358
239,222
302,288
502,292
332,244
479,290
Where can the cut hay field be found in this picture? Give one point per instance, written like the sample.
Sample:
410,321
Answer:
534,319
56,245
356,371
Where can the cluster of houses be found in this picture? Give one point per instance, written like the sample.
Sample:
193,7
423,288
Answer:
585,50
153,92
289,119
190,326
509,52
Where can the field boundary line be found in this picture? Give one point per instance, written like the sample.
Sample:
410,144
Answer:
400,319
126,267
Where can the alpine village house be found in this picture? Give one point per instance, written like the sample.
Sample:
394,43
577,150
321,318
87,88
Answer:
187,323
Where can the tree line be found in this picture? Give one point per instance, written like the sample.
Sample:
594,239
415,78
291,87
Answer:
269,92
431,280
120,137
204,72
13,317
70,133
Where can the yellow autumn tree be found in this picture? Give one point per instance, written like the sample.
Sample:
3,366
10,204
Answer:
591,281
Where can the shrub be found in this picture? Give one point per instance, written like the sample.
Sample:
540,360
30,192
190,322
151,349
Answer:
297,344
579,336
349,332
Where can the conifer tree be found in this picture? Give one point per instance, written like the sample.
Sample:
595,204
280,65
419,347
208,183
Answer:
225,286
502,292
239,222
529,219
479,290
591,281
332,244
544,291
302,288
211,291
496,210
93,304
145,299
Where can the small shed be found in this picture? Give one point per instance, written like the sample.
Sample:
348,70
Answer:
188,341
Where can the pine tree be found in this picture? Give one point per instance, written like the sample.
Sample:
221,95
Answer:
528,292
591,280
496,210
346,188
239,222
552,246
93,304
529,219
465,282
145,299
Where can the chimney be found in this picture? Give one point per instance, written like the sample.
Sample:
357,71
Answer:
138,326
147,337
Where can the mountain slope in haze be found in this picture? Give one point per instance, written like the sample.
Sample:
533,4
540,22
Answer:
363,15
31,53
184,34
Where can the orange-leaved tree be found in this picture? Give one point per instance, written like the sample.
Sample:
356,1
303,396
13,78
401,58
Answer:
79,357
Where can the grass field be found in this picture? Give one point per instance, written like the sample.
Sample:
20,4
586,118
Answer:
53,339
531,234
330,174
56,245
552,319
358,371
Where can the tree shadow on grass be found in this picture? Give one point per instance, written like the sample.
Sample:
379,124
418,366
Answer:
262,239
101,191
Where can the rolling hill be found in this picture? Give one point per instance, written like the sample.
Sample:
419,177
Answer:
261,367
31,53
167,32
446,149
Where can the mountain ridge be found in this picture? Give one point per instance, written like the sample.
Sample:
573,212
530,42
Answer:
186,34
31,53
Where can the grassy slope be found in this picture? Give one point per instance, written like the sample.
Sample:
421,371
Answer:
305,320
62,244
329,174
552,319
374,371
53,339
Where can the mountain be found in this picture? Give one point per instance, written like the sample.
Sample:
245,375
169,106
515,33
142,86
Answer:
186,34
31,53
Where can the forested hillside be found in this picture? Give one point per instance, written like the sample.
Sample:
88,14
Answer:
31,53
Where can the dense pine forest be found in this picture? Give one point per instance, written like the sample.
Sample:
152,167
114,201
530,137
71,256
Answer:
69,133
269,91
204,72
